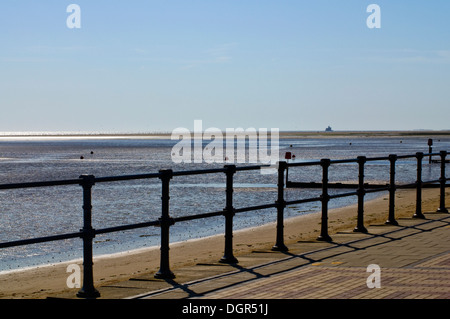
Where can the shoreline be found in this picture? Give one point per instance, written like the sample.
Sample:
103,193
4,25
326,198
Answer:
282,134
50,280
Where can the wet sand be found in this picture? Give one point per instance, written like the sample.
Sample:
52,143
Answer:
49,280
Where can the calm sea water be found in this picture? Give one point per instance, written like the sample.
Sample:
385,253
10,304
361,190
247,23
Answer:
27,213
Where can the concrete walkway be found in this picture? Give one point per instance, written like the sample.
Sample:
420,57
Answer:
413,258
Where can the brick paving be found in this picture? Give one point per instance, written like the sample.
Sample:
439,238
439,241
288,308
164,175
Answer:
415,266
414,261
327,282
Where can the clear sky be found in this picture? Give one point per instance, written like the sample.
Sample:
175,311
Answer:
155,65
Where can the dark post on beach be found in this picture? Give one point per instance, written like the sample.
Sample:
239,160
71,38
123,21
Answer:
88,233
430,149
281,204
392,188
165,222
442,180
228,257
419,214
361,193
325,198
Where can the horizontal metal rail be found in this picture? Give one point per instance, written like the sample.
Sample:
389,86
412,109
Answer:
37,240
40,184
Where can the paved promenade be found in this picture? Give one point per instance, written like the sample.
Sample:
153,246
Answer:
414,264
413,260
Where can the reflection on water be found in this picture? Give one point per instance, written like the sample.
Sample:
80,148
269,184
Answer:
27,213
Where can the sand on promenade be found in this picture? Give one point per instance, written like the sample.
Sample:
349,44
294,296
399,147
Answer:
44,281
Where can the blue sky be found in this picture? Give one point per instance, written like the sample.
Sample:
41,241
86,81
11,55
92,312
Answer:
143,66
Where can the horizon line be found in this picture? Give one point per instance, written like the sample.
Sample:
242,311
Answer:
166,133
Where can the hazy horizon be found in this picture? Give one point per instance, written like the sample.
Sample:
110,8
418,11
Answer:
149,133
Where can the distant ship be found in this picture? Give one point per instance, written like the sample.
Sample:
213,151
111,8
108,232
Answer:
329,129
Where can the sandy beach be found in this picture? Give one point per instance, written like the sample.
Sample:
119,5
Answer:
49,280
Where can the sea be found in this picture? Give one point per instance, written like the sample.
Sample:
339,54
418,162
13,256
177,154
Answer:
44,211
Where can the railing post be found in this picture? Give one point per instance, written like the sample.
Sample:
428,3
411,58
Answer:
228,257
419,214
361,193
325,163
443,179
430,150
165,222
392,188
88,233
281,204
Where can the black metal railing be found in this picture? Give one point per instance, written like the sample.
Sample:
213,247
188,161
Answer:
87,182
